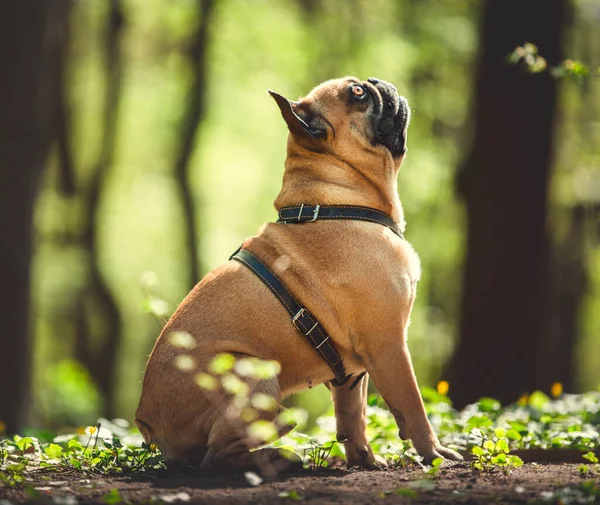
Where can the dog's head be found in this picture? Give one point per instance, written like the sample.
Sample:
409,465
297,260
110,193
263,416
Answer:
344,116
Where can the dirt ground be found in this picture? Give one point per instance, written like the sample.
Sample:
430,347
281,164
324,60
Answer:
457,484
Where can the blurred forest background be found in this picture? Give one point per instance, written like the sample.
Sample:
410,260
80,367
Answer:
138,147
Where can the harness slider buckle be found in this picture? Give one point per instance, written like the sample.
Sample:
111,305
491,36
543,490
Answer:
300,213
315,213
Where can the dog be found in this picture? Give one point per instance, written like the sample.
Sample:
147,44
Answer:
347,140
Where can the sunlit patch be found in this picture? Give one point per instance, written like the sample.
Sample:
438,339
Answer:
158,307
184,362
206,381
443,387
148,279
281,264
234,385
249,414
222,363
257,368
262,430
262,401
182,339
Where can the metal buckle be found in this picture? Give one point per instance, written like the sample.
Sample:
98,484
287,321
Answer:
300,213
295,322
295,318
315,214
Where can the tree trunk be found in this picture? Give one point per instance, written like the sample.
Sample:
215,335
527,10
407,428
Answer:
504,183
27,38
194,112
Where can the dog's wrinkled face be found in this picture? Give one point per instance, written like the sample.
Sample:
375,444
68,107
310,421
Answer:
339,114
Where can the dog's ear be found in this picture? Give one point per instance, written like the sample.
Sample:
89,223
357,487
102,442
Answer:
296,124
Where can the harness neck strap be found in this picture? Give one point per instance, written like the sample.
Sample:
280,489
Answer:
304,213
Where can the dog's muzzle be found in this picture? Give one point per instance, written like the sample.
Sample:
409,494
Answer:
394,117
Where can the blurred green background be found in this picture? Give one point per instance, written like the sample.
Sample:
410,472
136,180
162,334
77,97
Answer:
428,49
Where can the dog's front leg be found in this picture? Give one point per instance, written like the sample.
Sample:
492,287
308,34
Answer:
391,370
351,419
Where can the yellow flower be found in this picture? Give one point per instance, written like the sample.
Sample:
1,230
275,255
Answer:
556,389
153,447
80,430
2,427
443,387
523,400
90,430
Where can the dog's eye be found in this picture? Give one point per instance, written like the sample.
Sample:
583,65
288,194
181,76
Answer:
358,91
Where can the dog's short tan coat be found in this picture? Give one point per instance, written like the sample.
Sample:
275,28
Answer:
358,278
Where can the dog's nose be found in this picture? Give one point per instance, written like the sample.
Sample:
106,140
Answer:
373,80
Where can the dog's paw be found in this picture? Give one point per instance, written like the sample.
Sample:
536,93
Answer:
439,451
363,458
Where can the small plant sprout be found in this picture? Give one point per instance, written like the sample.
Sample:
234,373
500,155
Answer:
494,453
594,467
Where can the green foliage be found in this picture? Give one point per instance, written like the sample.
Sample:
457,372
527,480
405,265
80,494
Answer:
95,451
535,63
485,429
290,495
494,453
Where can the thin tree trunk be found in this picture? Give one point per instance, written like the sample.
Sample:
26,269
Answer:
97,309
504,183
29,34
195,107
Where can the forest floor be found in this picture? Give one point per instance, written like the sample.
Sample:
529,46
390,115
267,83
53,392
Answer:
531,483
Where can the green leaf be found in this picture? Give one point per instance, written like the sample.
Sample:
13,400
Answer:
489,445
538,400
53,451
112,497
502,445
500,432
291,495
499,460
513,435
488,405
74,445
437,462
478,451
514,460
478,422
405,492
23,442
591,457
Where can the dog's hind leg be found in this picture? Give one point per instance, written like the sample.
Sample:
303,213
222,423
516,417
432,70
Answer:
350,414
234,434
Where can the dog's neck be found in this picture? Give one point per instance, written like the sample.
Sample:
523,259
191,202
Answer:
327,180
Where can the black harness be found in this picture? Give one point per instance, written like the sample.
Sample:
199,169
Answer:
302,319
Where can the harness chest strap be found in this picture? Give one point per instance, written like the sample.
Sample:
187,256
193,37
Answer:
301,318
